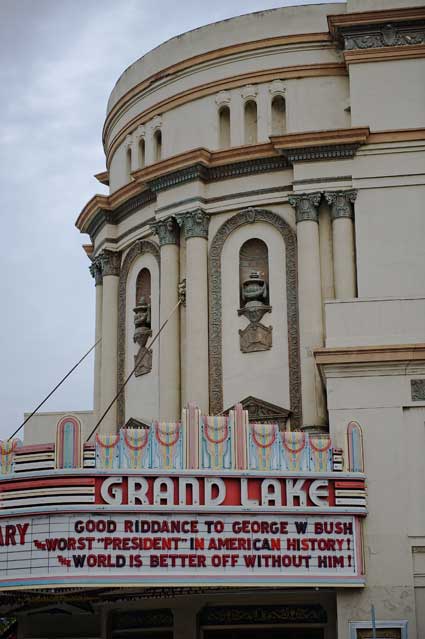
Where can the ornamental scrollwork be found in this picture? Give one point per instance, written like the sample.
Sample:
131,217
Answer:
388,35
306,206
341,203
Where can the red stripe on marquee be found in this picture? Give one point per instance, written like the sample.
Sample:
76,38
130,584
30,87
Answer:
349,484
49,483
36,448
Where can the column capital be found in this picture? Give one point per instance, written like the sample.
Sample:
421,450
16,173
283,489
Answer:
111,262
95,269
341,203
306,206
194,223
167,231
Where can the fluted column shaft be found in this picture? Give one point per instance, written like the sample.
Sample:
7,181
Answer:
169,344
195,227
96,271
108,385
310,306
341,203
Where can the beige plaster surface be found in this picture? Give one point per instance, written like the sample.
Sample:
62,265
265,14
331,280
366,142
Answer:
142,393
41,428
264,24
262,374
368,321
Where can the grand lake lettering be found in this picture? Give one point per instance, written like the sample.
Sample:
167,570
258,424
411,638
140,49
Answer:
214,491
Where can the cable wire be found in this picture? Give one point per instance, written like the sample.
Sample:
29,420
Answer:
127,379
55,388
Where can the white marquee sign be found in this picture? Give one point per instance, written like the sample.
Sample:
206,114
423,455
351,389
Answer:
176,549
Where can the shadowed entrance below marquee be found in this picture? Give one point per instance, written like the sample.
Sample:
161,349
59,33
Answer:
264,633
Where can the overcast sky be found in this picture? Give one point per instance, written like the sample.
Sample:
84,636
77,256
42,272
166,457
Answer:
59,62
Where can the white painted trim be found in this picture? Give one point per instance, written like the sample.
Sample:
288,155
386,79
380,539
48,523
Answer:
358,625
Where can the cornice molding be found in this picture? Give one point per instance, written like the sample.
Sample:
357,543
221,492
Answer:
229,163
370,354
320,145
88,250
211,88
366,18
208,57
359,56
107,204
396,135
379,36
102,177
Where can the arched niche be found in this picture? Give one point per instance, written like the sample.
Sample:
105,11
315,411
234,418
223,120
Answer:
128,164
253,266
250,122
355,448
157,145
278,107
131,267
143,286
224,127
248,217
142,153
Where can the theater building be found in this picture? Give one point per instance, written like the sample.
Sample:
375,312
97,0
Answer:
261,473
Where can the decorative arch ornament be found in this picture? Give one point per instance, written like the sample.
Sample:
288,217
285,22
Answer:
140,247
249,216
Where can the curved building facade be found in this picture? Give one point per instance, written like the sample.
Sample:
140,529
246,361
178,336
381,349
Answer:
260,304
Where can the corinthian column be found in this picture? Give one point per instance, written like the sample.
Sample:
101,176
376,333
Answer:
342,215
195,228
110,261
310,306
169,344
96,271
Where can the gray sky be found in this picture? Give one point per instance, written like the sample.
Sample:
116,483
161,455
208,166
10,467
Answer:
59,62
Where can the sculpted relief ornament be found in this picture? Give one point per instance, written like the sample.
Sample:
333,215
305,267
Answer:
341,203
96,271
167,231
306,206
142,325
383,35
194,223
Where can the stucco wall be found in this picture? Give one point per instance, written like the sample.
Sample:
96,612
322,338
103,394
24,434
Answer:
142,393
261,374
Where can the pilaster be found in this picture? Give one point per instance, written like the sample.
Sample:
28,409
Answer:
195,229
96,272
310,303
110,261
342,215
168,233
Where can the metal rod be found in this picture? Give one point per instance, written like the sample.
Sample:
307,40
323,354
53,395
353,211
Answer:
127,379
55,388
372,612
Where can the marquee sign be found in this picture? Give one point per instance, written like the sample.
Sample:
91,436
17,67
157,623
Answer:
210,500
181,529
177,549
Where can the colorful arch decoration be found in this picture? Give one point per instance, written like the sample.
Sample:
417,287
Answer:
107,451
167,445
135,449
320,453
69,444
216,442
295,451
355,447
263,446
7,454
